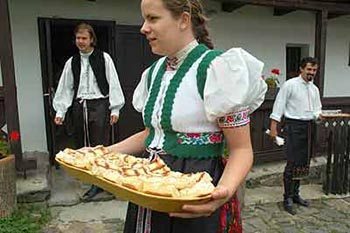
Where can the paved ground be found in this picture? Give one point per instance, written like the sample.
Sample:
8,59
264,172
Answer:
263,211
324,215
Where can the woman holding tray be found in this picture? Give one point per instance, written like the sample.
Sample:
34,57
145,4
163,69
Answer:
193,99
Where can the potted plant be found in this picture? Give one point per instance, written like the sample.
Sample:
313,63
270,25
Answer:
7,179
273,84
4,148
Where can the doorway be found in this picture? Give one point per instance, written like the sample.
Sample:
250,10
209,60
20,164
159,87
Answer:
294,54
56,40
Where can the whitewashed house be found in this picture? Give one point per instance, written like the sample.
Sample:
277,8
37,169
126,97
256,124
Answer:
277,32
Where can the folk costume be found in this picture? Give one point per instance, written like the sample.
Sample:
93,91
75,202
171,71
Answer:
89,83
185,102
299,101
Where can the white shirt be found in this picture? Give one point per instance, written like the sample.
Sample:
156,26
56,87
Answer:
88,87
233,83
297,99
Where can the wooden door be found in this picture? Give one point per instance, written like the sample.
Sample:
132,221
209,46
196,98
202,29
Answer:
133,56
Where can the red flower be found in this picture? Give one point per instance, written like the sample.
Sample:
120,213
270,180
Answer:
14,135
276,71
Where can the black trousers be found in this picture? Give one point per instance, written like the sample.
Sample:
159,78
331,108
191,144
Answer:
298,152
97,128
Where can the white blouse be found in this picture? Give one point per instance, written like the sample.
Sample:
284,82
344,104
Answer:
233,84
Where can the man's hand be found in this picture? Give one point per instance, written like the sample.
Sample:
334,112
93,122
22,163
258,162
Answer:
114,119
58,120
320,117
273,129
273,133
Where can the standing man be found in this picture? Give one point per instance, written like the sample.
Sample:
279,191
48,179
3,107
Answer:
299,101
89,83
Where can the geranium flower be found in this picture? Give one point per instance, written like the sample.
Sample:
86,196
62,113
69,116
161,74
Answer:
276,71
14,136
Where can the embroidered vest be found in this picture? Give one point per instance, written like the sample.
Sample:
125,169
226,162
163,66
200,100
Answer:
186,145
97,62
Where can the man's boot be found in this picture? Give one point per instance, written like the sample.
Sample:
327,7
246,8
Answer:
91,193
296,196
288,196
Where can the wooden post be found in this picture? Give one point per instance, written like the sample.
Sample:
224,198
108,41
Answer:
10,90
320,47
8,186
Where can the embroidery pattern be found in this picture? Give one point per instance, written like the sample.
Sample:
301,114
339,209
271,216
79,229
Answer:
234,119
199,138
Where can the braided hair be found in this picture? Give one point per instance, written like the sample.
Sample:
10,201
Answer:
198,19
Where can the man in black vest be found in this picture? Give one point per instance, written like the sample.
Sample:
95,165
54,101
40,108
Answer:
89,83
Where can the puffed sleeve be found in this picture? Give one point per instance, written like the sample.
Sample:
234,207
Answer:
141,93
234,87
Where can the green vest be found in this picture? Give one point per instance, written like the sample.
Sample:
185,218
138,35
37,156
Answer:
171,141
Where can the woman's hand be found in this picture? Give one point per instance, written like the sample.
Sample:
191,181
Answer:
219,197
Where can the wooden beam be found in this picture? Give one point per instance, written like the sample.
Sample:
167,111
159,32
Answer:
277,11
230,6
320,47
312,5
335,15
10,90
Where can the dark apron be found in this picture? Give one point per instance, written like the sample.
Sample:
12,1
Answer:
298,148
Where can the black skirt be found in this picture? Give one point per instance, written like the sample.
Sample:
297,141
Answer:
139,220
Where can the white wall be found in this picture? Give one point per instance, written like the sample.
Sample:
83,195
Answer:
252,28
337,74
265,36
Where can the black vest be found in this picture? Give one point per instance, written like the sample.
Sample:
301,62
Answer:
97,63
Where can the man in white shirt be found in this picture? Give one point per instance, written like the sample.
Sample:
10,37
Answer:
299,102
89,83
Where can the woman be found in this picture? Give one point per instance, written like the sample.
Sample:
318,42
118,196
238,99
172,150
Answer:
192,99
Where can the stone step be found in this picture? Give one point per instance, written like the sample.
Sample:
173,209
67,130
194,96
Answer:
36,186
101,216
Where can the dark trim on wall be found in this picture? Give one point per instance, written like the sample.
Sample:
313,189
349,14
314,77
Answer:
320,47
326,101
335,7
2,95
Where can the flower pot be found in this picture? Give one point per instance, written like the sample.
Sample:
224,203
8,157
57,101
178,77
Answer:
8,185
271,93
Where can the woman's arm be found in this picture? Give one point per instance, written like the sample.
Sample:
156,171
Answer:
238,165
134,144
240,157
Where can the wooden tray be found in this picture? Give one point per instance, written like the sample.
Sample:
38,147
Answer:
158,203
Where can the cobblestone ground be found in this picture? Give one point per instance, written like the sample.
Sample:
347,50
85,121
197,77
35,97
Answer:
323,216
